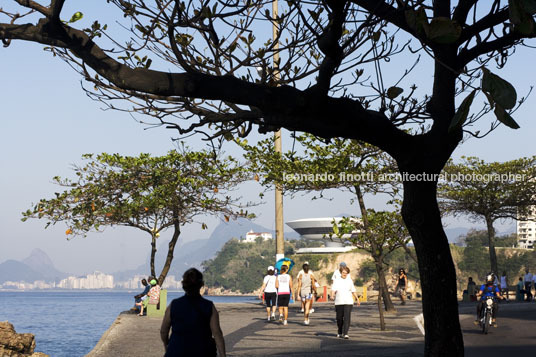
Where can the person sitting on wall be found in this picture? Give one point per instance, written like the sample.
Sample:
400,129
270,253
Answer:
138,299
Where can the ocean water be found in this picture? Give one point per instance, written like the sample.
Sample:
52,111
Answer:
70,323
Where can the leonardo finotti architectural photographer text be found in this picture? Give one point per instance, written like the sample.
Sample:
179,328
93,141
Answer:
399,177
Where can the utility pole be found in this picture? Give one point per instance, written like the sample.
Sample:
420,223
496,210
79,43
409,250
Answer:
279,237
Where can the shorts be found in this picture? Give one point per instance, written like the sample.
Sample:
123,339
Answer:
270,299
283,300
305,296
401,291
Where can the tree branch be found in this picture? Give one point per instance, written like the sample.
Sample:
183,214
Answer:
35,6
56,6
462,11
386,12
467,55
486,23
442,8
283,106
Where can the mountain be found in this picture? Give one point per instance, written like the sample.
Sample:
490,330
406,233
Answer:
13,270
39,261
193,253
37,266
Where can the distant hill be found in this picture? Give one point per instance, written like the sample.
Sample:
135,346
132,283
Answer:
37,266
13,270
193,253
39,261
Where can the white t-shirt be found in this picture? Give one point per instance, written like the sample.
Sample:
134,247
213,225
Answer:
344,289
284,284
269,280
336,275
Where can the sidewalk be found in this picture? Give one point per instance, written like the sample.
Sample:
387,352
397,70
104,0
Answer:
247,333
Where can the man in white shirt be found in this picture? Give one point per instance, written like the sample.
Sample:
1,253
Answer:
527,280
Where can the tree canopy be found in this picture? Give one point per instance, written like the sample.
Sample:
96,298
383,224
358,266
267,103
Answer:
145,192
206,66
488,192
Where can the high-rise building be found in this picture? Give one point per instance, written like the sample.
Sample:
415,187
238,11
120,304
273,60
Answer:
526,230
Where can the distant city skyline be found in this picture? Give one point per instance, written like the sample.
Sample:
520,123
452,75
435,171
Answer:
49,122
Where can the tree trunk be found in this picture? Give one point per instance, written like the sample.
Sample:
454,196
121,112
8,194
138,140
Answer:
379,266
171,248
491,243
153,254
380,309
420,211
388,303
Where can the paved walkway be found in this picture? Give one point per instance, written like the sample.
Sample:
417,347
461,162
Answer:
247,333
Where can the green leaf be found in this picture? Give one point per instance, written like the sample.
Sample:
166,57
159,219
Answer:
417,20
335,228
444,31
76,16
505,118
462,113
394,92
520,13
500,90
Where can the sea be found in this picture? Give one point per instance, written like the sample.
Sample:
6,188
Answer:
70,323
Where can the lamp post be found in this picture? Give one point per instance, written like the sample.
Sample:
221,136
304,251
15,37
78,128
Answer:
280,239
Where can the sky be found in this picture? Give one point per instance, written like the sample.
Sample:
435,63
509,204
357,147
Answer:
48,123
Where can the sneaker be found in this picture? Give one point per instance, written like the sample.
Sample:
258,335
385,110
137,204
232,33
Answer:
339,335
346,337
306,322
301,310
285,322
311,311
476,322
269,319
280,317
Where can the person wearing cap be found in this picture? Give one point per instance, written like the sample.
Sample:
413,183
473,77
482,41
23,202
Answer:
337,273
270,292
300,274
306,286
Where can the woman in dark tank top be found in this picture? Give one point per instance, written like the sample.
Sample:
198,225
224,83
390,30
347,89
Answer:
193,321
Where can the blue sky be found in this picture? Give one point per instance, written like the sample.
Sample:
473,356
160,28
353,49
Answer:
48,123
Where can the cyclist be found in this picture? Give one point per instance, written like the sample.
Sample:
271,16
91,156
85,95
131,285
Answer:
488,289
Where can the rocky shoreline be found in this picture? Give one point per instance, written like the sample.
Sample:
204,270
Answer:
13,344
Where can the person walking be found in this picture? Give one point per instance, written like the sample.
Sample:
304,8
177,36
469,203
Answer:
344,294
402,285
471,289
283,284
300,274
527,281
337,273
270,293
504,284
194,322
306,287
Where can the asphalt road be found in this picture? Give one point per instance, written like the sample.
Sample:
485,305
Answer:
514,336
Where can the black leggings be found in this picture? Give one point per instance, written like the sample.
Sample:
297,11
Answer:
343,315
